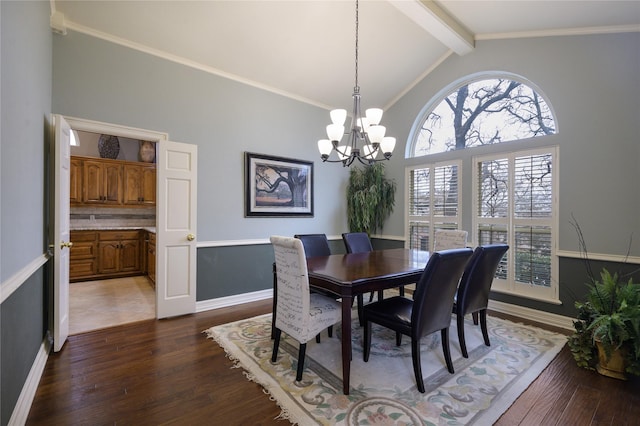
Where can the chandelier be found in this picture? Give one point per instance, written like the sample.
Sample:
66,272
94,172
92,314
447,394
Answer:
365,132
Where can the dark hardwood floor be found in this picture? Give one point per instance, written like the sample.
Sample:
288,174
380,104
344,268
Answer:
168,372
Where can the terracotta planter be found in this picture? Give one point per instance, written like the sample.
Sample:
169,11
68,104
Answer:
612,367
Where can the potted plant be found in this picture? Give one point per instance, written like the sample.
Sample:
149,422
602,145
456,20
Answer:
610,319
370,198
607,328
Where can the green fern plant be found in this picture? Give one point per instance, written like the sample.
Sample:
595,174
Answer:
610,314
370,198
616,322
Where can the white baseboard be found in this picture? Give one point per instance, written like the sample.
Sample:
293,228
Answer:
532,314
23,405
238,299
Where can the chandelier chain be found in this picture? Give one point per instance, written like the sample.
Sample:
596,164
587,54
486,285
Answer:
357,88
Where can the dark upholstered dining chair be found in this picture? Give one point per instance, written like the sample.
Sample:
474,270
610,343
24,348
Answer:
359,242
428,312
300,313
473,292
314,244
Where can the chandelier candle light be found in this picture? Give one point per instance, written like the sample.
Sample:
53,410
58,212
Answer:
365,131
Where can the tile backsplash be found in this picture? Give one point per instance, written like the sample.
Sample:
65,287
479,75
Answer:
111,217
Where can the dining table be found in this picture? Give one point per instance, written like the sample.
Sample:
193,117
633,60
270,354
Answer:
348,275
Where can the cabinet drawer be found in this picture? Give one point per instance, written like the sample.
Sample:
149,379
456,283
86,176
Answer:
82,250
79,236
118,235
82,268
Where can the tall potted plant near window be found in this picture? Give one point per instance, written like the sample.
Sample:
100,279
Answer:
370,198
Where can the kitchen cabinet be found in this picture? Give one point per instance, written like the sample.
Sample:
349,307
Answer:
119,252
106,182
102,182
75,181
83,255
151,258
139,184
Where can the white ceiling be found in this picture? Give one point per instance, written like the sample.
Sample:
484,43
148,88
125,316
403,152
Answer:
305,49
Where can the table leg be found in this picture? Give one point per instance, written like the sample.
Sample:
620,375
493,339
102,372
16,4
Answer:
346,342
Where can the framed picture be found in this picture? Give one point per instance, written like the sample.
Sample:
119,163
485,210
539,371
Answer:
277,186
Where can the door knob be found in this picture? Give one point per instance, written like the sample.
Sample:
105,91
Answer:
191,237
63,244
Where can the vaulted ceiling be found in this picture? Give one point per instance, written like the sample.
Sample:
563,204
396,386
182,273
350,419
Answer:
305,49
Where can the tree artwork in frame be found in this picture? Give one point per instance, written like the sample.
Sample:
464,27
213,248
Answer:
277,186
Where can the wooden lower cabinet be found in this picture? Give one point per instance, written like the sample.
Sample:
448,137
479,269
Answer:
105,254
83,255
119,252
151,258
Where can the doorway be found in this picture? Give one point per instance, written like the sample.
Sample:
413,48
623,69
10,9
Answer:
102,303
97,301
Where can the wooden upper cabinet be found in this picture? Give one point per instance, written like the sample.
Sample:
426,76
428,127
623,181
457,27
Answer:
102,183
75,180
140,184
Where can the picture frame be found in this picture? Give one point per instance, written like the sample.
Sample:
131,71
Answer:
278,186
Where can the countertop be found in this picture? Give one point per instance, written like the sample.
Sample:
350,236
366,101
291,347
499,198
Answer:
115,228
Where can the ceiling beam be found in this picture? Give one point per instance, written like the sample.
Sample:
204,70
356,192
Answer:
431,17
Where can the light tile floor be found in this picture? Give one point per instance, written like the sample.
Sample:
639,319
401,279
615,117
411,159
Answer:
105,303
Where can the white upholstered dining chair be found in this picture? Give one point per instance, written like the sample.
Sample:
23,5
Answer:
447,239
299,313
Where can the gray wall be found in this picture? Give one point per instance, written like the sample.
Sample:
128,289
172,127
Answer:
592,84
25,104
102,81
99,80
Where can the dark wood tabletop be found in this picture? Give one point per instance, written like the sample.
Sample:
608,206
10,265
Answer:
348,275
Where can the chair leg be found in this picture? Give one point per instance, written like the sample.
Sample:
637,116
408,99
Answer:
380,295
475,318
445,348
417,368
276,342
401,289
360,300
366,350
330,331
398,338
483,326
463,345
318,338
301,355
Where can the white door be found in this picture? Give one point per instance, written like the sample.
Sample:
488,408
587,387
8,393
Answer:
61,244
176,229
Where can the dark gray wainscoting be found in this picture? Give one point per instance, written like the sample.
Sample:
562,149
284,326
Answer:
23,319
231,270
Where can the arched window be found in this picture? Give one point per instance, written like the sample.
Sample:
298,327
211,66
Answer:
511,193
482,112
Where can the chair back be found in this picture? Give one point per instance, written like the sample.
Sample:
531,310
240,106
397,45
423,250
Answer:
357,242
314,244
447,239
293,297
473,291
433,298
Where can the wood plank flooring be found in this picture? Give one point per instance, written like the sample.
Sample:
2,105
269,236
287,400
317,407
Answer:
167,372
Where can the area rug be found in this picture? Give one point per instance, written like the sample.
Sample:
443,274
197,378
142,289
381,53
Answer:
383,390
